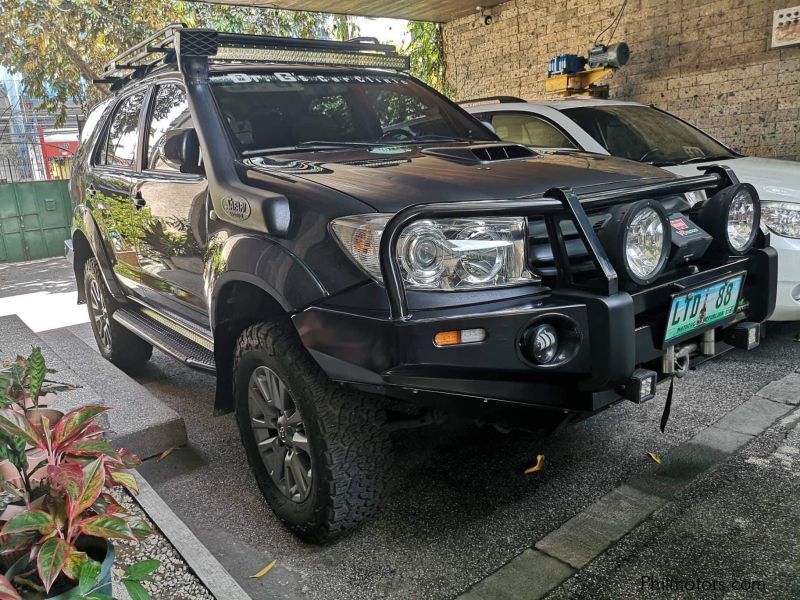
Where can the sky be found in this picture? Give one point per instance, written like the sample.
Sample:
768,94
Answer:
391,31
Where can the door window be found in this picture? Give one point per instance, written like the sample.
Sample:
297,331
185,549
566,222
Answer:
170,111
528,129
123,135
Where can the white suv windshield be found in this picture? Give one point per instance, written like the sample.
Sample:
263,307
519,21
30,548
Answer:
278,110
648,135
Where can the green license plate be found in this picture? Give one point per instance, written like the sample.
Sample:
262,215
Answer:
700,308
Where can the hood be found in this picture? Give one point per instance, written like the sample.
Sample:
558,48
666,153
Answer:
774,179
392,178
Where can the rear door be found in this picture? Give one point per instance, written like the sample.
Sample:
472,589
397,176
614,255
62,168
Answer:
109,183
174,205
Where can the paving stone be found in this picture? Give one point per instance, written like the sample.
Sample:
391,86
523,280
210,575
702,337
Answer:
589,533
753,417
529,576
785,390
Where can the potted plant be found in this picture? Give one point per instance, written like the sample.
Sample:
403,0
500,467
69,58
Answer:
60,516
63,528
71,534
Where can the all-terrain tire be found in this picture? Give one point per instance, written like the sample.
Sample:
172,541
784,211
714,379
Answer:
349,444
117,344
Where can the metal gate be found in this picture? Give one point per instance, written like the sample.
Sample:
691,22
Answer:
34,219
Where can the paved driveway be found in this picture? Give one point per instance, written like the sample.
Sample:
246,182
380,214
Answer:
458,507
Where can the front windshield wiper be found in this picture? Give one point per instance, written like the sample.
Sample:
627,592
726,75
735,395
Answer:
432,137
311,145
698,159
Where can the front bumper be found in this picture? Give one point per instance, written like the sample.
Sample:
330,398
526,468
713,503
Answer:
618,334
787,304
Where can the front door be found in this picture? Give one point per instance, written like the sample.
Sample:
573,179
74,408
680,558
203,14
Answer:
174,208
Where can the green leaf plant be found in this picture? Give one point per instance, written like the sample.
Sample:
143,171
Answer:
74,500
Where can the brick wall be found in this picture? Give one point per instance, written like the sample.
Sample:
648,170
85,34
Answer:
708,62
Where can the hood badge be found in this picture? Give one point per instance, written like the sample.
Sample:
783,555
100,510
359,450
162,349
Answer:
237,209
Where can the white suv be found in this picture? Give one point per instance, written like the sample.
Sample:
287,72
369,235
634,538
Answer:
650,135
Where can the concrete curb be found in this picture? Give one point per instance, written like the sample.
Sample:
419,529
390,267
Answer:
207,568
139,421
561,553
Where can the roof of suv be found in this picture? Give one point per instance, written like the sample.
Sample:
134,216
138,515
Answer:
560,104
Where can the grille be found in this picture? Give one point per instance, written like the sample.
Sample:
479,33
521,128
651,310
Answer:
540,252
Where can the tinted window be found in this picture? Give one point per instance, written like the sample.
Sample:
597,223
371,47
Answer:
92,120
275,110
170,111
123,134
647,135
525,128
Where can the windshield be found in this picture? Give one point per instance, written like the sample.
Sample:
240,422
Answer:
647,135
279,110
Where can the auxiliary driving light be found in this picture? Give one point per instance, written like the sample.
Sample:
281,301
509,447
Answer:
732,217
641,387
638,241
745,335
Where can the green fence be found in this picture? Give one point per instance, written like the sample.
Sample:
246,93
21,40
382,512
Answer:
34,219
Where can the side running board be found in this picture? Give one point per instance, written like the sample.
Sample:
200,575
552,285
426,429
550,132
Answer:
195,352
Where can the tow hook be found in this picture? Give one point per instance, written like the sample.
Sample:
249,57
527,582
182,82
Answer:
677,359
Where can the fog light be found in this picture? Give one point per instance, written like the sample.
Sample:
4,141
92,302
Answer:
461,336
745,335
796,293
641,387
543,343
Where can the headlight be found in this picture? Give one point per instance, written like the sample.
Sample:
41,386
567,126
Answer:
443,254
783,218
637,239
732,217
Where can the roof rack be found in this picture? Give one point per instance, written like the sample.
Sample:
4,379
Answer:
178,42
492,100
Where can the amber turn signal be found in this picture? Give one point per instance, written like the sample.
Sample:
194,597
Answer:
461,336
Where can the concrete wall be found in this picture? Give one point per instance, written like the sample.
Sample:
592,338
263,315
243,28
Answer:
709,62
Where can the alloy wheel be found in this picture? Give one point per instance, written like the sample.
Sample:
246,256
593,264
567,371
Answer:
100,313
279,433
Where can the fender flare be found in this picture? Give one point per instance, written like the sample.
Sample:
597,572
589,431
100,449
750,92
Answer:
265,264
89,228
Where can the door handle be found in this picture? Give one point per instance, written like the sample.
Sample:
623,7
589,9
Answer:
138,201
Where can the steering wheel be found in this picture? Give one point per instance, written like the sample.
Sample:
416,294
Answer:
392,135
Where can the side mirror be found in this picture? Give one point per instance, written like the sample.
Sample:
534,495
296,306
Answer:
182,151
489,126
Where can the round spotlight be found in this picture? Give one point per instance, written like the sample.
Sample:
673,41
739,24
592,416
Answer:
742,221
732,217
638,241
543,343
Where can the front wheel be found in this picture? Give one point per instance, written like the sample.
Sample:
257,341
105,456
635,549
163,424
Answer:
319,452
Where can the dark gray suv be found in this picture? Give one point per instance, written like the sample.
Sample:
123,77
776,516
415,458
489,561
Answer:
350,253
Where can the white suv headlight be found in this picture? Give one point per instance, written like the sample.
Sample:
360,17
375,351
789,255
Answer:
782,218
443,254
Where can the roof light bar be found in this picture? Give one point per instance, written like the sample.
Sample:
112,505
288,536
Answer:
292,55
178,41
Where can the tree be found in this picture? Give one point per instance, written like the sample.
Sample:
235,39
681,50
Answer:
426,51
59,46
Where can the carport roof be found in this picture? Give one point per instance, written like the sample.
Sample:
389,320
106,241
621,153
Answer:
418,10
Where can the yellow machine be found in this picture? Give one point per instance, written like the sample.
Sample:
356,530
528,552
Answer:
572,75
